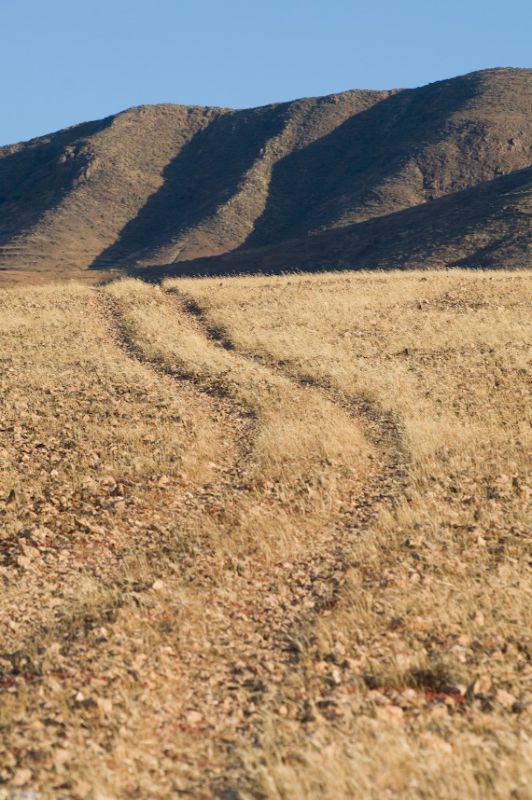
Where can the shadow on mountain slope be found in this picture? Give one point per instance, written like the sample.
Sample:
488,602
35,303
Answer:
486,226
204,175
45,169
416,145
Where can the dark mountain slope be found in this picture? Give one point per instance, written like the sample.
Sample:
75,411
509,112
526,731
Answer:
487,226
415,146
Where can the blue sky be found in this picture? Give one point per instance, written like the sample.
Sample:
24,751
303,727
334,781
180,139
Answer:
65,61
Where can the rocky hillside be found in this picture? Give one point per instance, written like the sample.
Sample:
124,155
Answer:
489,225
438,175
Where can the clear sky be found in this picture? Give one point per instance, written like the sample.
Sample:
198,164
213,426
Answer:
65,61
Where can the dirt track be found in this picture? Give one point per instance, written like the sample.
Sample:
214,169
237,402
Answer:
258,621
223,569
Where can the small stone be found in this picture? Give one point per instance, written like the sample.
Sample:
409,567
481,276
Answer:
505,698
61,757
105,705
90,486
393,715
21,777
480,686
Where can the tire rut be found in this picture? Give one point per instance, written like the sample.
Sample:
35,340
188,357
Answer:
318,578
379,427
258,613
238,419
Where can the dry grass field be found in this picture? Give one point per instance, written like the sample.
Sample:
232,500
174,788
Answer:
266,538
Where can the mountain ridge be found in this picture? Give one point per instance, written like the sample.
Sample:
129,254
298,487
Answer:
166,187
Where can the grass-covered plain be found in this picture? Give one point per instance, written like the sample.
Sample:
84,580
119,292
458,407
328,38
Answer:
267,536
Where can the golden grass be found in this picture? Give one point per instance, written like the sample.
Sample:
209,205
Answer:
440,591
91,444
174,514
125,469
78,421
303,442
